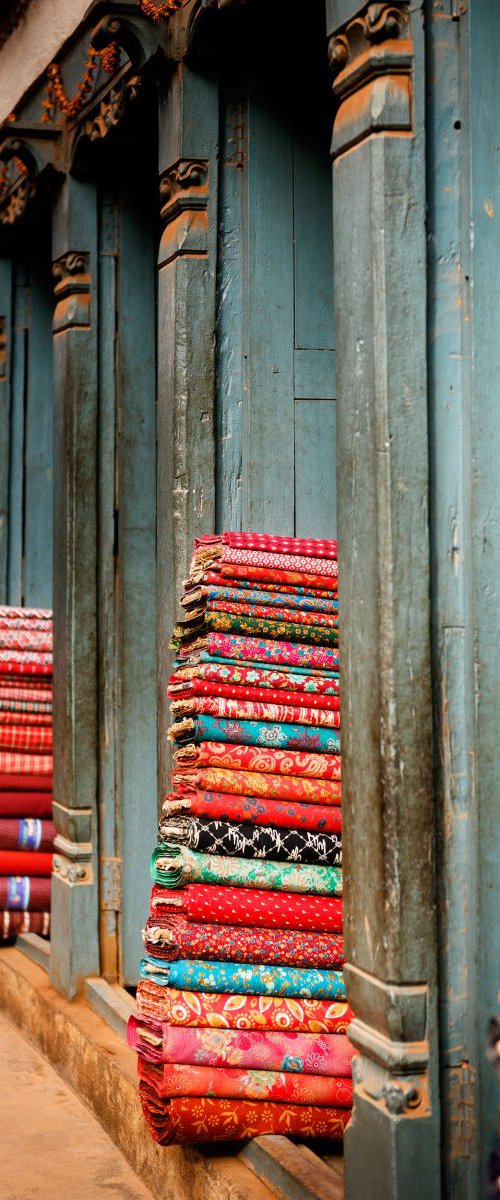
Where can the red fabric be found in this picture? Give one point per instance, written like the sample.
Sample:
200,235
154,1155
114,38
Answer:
307,579
31,719
13,892
265,650
25,765
14,923
19,781
25,862
26,804
259,810
236,1083
259,758
276,544
29,690
274,680
171,937
10,835
294,589
205,903
326,567
255,783
37,739
24,639
184,688
296,615
25,614
219,1010
253,710
199,1119
37,625
304,1053
22,662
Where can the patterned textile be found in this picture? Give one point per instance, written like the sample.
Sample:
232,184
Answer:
252,783
245,906
300,1053
26,834
267,612
171,937
257,809
260,676
25,862
196,688
14,923
252,733
254,758
219,706
215,579
252,841
22,804
254,595
284,653
193,660
238,1083
304,579
9,715
223,1011
258,627
190,1119
24,764
21,892
18,693
22,662
25,640
174,866
282,562
37,739
276,544
198,976
25,614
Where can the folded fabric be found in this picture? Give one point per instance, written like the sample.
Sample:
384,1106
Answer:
244,840
24,892
220,1010
277,544
37,739
271,584
256,809
254,710
25,804
36,624
249,906
299,1053
255,595
252,783
26,781
25,640
205,728
239,1083
8,612
22,662
191,661
282,562
198,976
185,688
253,758
200,1119
269,612
28,833
305,579
257,627
25,862
253,649
28,717
28,690
14,923
24,764
172,937
174,866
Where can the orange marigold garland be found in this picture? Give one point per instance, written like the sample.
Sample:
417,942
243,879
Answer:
159,9
57,97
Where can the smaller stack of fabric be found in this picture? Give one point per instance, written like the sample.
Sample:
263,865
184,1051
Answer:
26,828
241,1022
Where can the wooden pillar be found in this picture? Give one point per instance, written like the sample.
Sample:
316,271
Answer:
189,118
5,361
75,945
376,53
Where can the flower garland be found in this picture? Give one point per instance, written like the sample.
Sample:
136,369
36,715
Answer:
158,10
57,97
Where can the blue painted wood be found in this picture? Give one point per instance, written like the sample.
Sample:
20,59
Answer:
315,457
6,334
17,430
37,532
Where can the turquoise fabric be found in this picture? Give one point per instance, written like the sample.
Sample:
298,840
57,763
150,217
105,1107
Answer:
276,735
238,979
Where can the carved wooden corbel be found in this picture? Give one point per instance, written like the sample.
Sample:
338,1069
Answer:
72,291
184,204
371,62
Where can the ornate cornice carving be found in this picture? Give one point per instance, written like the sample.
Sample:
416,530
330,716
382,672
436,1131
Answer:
72,291
371,61
112,108
17,175
184,204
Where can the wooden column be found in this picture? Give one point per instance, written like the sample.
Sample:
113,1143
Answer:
5,368
186,343
75,946
376,53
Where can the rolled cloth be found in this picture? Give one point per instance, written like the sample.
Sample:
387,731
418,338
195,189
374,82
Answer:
258,675
245,840
28,833
25,804
201,1119
14,923
256,809
259,758
276,653
174,866
24,893
196,689
25,862
173,937
253,710
190,779
205,728
249,906
221,1010
198,976
253,626
239,1083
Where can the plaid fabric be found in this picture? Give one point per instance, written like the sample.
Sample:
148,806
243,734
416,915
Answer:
20,662
15,737
24,764
25,716
32,691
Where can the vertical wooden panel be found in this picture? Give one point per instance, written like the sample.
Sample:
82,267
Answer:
315,454
6,336
37,534
17,429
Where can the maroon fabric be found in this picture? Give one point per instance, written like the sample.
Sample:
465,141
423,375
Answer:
25,804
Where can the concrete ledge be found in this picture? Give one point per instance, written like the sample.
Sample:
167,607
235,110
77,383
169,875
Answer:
93,1059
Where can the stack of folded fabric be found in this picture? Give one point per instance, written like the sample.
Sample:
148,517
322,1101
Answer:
26,828
241,1023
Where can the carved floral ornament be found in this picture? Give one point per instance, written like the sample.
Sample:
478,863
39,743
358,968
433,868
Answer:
16,182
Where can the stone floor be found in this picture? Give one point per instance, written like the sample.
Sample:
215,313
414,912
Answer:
52,1147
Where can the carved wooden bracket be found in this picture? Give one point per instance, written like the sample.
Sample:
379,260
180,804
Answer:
184,196
371,61
72,291
16,179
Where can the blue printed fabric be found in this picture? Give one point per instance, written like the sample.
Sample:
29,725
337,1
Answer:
279,735
244,979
